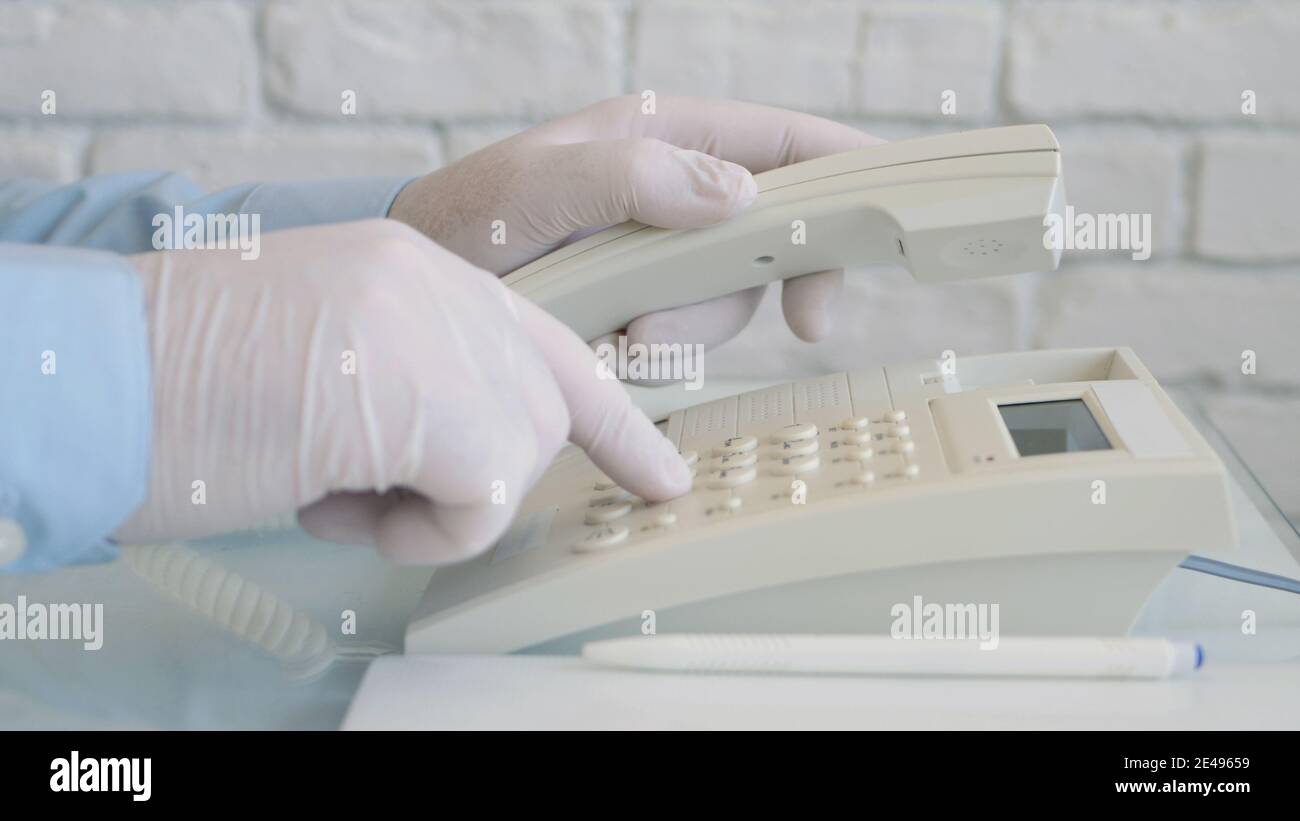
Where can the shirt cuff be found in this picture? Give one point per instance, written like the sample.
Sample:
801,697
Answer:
296,204
76,402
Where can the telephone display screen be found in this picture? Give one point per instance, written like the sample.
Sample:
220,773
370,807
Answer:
1064,426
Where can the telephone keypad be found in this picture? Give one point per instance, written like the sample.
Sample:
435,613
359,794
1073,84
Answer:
759,452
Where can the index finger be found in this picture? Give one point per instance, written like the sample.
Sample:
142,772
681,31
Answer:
618,437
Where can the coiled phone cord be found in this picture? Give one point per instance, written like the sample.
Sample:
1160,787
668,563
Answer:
244,609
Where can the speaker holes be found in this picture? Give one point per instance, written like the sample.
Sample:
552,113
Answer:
764,260
982,247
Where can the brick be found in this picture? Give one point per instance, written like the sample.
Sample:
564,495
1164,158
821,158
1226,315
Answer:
884,316
913,54
1164,60
218,160
1186,323
796,55
1119,174
41,155
442,60
1248,199
194,60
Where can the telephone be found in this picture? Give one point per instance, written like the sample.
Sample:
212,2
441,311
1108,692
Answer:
1061,486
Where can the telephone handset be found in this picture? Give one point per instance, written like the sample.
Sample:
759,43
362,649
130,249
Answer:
953,206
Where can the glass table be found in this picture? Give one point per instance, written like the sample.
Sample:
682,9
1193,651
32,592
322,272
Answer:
163,665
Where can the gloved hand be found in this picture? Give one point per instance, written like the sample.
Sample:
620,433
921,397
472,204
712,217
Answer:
375,382
687,165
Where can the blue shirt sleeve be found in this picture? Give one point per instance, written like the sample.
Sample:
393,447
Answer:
75,396
116,212
74,377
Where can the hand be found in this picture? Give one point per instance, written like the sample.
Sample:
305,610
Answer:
686,166
376,383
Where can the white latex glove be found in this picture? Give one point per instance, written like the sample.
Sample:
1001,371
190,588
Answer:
458,384
687,165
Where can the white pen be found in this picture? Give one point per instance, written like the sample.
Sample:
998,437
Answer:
1054,657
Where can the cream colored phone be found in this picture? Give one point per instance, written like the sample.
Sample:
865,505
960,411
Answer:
1060,486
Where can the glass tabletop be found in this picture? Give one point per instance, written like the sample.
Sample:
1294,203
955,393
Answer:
165,665
1197,405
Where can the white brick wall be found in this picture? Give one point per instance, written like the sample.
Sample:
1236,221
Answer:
1146,96
214,159
190,60
1248,203
788,53
1173,60
442,59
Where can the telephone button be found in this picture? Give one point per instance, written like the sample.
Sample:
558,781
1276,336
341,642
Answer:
736,444
796,465
731,477
858,438
600,539
794,433
736,460
618,495
690,457
607,513
856,423
605,483
895,416
797,448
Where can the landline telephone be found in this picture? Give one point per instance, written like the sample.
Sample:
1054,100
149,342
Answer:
1060,485
820,504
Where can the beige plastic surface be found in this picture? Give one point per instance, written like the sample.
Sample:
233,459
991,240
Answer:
955,206
948,516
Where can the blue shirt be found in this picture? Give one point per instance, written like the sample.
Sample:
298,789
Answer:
75,396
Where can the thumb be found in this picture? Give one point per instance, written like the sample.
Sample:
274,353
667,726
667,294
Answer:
647,180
